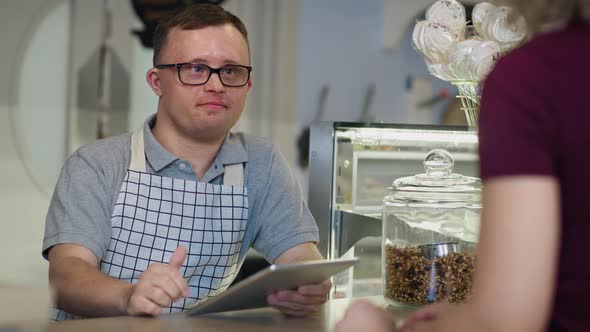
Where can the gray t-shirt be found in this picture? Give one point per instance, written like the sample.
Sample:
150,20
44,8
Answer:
90,181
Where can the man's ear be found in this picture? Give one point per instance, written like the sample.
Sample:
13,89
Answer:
250,82
152,78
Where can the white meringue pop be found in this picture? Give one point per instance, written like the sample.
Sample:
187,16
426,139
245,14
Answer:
480,13
497,27
451,13
433,40
458,59
440,70
454,51
472,59
482,59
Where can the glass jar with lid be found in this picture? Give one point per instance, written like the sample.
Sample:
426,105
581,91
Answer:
430,231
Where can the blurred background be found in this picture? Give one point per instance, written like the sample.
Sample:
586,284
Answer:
73,71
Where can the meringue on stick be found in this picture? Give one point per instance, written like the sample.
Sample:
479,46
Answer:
433,40
495,23
450,13
472,59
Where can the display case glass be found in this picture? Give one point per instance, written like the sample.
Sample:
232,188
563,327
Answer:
351,166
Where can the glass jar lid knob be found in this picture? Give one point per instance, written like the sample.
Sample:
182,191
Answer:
438,163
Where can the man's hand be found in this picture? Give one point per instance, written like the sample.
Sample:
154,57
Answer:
363,316
302,301
305,299
159,286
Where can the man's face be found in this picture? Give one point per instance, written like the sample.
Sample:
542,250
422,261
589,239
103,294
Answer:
205,111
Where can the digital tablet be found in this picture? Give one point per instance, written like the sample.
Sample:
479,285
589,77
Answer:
252,292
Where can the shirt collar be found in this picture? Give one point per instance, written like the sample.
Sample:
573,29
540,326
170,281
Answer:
156,155
232,150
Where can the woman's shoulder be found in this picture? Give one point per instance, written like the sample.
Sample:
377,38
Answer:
556,47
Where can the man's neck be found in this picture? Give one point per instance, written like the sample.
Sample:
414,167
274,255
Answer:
200,153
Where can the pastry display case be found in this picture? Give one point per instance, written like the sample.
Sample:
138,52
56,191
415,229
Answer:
351,167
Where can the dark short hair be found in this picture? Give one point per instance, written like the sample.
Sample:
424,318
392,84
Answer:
195,16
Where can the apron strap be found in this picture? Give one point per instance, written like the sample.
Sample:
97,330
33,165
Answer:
234,175
137,151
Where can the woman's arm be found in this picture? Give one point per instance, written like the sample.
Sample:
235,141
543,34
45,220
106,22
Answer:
517,259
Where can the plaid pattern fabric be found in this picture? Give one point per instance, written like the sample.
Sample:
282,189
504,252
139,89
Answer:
154,215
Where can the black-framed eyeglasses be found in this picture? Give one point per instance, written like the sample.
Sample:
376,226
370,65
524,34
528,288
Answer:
199,74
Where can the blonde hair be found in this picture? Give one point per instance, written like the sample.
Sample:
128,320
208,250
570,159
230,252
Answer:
548,15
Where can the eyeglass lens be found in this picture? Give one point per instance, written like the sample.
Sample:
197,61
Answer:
230,75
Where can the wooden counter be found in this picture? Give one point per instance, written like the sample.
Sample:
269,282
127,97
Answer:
255,320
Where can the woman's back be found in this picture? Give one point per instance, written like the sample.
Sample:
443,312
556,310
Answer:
535,120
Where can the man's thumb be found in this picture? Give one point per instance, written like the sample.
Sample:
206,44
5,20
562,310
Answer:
178,257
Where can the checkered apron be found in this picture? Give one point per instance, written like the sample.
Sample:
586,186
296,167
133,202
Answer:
154,215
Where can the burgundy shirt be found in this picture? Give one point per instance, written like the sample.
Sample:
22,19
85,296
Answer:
535,119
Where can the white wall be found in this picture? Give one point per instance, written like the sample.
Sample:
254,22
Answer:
45,43
23,201
342,44
40,110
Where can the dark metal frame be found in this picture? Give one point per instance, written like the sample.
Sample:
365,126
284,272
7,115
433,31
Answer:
212,71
